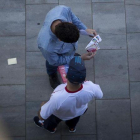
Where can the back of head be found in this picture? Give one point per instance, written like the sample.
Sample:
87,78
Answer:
77,71
67,32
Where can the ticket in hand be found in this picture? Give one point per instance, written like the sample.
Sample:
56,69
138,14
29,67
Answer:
93,44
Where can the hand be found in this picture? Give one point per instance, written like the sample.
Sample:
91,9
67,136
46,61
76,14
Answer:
88,56
91,31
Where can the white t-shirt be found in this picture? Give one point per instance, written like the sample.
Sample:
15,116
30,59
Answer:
67,105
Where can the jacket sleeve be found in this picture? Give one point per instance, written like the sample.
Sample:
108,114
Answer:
56,59
76,21
48,108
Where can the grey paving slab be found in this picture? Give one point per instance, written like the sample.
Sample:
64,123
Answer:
86,125
74,1
18,138
36,72
112,41
111,73
113,120
107,0
32,131
34,60
133,18
109,18
136,137
38,88
134,56
14,118
40,1
35,16
132,2
135,106
12,47
82,11
12,15
83,137
12,95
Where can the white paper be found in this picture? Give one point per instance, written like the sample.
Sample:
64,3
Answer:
83,32
12,61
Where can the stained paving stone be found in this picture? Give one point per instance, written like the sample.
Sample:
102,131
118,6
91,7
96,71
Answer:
134,2
32,131
109,18
12,47
113,120
13,95
112,41
134,56
40,1
108,1
34,60
132,18
82,11
38,88
35,16
86,124
12,15
111,73
136,137
135,106
83,137
14,119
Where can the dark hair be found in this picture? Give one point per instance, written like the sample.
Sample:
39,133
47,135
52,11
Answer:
67,32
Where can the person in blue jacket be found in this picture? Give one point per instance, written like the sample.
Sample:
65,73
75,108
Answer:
58,40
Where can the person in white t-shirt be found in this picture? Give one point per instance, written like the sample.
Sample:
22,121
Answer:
69,101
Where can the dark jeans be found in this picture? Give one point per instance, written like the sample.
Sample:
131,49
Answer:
50,69
53,121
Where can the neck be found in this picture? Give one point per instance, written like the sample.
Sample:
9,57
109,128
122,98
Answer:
72,87
54,24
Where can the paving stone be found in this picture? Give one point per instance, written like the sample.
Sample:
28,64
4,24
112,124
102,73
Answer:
12,15
40,1
107,0
38,88
35,16
112,41
135,106
136,137
36,72
12,47
18,138
113,120
32,131
134,56
82,11
132,2
12,95
14,120
111,73
86,125
132,18
83,137
109,18
35,60
74,1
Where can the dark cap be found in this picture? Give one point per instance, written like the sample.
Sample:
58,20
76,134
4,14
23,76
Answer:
77,72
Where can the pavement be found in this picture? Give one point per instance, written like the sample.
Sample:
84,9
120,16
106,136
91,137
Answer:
116,68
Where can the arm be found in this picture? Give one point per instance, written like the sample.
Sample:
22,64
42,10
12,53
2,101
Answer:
57,59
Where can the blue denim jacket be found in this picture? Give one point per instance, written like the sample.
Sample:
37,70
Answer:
57,52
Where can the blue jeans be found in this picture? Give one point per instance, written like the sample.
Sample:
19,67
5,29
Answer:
50,69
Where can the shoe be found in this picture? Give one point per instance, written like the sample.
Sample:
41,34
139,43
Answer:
51,131
36,121
54,81
72,130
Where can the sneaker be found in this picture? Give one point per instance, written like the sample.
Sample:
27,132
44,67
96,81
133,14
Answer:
51,131
54,81
36,121
72,130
